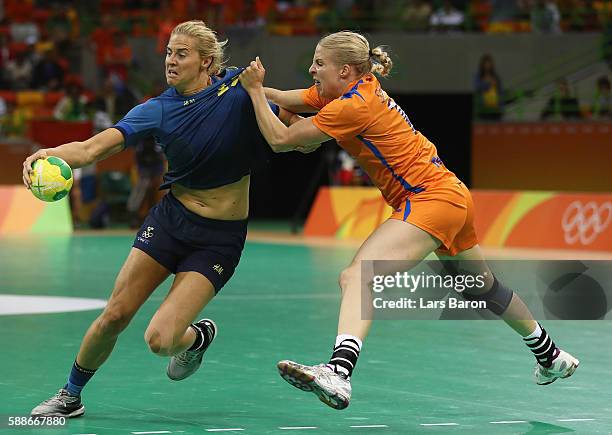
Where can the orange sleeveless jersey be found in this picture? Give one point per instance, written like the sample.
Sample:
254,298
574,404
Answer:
376,132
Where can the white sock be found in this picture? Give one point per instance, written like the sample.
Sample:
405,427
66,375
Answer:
343,337
535,334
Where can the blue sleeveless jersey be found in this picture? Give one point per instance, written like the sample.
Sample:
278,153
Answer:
210,138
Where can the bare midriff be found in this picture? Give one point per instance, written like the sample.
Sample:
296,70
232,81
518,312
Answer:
229,202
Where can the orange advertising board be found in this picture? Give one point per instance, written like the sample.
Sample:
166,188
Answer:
545,220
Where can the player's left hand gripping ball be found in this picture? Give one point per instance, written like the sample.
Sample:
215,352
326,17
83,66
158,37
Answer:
51,179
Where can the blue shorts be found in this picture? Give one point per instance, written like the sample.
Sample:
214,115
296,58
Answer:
183,241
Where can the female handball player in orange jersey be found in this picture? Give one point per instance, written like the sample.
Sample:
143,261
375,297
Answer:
433,209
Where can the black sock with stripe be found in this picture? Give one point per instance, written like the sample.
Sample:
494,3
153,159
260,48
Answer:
542,346
204,334
344,357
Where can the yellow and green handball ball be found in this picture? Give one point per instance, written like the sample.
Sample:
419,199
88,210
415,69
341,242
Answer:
51,179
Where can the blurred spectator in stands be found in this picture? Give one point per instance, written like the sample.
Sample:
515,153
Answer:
264,9
169,19
150,166
579,14
240,15
15,121
415,16
505,15
562,105
25,32
83,195
5,55
102,40
348,172
603,9
96,112
48,73
72,107
328,18
488,90
345,171
545,17
19,69
215,13
316,9
59,26
604,18
118,98
3,115
118,57
332,16
447,18
602,102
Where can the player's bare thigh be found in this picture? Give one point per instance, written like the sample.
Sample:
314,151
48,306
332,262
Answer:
189,294
472,261
397,240
392,240
139,276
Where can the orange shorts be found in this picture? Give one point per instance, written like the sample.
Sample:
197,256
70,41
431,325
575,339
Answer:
445,211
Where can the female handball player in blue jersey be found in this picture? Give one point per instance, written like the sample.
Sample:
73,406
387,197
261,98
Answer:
206,126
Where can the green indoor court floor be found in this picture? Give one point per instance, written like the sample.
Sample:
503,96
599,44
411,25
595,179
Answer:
435,377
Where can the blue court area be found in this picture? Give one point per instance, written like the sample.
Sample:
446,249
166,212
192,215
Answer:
438,377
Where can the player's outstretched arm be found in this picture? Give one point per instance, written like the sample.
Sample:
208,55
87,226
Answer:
78,154
290,100
302,133
290,118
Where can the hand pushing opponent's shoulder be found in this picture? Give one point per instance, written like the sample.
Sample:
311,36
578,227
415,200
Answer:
253,76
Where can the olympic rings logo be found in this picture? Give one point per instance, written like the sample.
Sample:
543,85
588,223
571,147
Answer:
585,222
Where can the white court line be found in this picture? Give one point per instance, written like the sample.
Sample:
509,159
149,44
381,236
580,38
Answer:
508,421
371,425
152,432
223,430
297,427
576,419
439,424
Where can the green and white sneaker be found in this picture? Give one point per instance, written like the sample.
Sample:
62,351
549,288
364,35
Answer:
331,388
61,405
563,366
186,363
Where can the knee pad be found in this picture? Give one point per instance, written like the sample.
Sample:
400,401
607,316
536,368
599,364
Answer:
498,298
